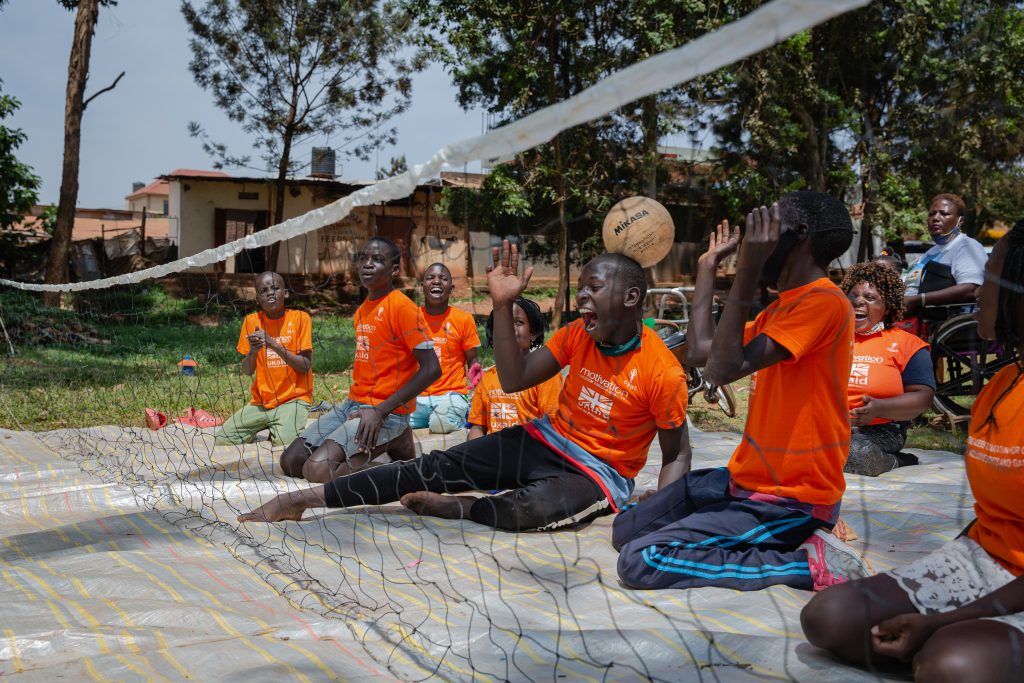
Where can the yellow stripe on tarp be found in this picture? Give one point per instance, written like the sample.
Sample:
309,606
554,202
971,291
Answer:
15,656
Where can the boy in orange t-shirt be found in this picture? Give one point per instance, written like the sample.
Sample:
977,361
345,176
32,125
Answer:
442,407
277,348
623,388
493,408
959,610
394,362
762,520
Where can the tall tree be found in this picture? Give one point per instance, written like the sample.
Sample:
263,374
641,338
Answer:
288,70
516,57
87,13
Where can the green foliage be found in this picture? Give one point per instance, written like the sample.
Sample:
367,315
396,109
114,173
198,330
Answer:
18,184
287,69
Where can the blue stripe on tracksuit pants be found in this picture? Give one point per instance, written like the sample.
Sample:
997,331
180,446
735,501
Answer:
694,533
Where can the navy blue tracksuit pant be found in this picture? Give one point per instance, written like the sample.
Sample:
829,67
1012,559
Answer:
694,533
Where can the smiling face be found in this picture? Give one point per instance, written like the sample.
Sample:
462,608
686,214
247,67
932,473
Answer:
521,325
943,216
376,268
606,305
868,306
271,294
437,286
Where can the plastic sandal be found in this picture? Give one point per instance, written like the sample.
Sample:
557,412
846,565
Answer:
197,417
155,419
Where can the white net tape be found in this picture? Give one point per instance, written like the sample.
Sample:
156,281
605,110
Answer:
757,31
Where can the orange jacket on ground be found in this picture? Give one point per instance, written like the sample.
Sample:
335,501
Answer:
274,382
387,330
454,333
995,469
797,435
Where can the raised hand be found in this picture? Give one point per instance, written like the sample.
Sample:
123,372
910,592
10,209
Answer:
721,243
503,277
763,226
257,339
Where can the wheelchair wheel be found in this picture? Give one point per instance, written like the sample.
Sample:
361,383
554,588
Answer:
726,400
963,362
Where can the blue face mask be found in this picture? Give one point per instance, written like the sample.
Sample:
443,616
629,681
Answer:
945,239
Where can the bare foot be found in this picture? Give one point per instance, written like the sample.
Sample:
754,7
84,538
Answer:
286,507
438,505
402,447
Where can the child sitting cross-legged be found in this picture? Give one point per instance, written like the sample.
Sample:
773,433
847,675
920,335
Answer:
495,409
277,348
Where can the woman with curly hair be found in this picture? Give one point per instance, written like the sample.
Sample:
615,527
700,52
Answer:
891,379
957,613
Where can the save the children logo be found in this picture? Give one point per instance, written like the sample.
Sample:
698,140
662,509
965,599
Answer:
380,314
859,374
893,348
632,376
596,403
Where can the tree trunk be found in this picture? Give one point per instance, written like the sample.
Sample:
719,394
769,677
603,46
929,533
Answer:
78,74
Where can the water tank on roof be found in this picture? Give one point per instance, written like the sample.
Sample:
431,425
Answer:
136,186
323,163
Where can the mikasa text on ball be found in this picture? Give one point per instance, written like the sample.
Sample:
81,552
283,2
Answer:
640,228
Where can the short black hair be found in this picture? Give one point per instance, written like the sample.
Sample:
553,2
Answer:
538,324
390,248
627,270
884,279
437,263
954,199
827,220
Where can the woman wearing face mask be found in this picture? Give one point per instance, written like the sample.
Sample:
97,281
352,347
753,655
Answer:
891,379
951,271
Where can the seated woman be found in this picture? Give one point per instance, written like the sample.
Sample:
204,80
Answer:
493,409
957,613
891,379
951,271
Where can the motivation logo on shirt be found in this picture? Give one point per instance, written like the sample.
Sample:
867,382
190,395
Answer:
596,403
859,374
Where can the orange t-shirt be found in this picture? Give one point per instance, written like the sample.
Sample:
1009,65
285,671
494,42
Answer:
797,434
387,330
878,363
612,406
274,382
995,469
494,410
454,333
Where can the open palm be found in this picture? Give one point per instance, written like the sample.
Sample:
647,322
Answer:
503,279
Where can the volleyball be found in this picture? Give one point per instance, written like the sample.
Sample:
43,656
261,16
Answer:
640,228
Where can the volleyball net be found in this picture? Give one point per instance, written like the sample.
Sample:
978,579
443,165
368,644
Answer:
426,597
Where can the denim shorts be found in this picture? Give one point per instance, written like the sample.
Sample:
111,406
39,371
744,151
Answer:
341,423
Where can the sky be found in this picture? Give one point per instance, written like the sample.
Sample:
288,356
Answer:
139,130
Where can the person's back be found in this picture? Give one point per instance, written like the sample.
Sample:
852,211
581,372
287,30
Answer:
277,346
784,482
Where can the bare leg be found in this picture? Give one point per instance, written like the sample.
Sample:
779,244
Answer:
295,456
321,466
439,505
402,447
287,506
839,619
975,651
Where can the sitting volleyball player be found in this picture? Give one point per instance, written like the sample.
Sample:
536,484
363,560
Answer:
495,409
277,348
394,362
623,387
957,613
443,406
762,520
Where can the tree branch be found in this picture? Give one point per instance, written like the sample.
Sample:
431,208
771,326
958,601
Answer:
100,92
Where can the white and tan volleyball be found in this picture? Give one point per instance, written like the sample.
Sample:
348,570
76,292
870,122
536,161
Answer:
640,228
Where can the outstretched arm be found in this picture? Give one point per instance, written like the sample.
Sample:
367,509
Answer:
516,372
729,359
700,330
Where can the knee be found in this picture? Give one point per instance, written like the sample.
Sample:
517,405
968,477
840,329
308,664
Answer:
293,458
825,619
950,656
317,471
633,569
